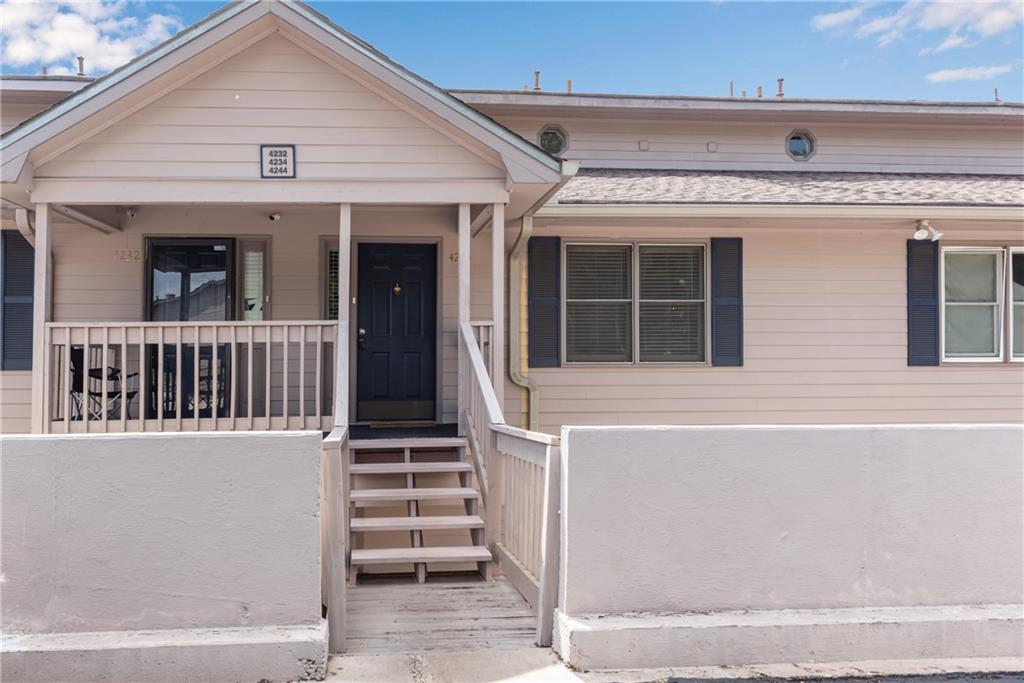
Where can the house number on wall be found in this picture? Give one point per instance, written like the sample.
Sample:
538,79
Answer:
127,255
277,161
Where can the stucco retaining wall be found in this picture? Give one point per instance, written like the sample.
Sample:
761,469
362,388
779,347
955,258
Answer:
845,523
150,539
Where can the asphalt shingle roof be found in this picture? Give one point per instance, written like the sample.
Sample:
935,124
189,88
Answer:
628,186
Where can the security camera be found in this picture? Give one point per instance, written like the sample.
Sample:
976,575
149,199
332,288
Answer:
274,217
131,212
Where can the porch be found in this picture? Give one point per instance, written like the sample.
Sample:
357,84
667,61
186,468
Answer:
255,359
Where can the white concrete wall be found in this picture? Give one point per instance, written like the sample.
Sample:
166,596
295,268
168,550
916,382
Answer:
179,532
833,520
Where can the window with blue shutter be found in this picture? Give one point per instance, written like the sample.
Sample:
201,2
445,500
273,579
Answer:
544,306
922,302
17,265
727,301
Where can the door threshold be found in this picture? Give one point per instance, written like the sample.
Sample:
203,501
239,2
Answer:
409,424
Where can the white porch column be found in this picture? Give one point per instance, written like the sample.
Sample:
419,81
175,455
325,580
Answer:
498,302
464,302
42,308
341,380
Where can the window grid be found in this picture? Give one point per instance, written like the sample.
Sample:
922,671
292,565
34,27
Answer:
635,302
997,306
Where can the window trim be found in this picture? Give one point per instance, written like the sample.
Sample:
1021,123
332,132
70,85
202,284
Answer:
1000,316
634,246
559,129
810,136
1010,306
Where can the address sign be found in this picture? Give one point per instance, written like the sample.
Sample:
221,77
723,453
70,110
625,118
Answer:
277,161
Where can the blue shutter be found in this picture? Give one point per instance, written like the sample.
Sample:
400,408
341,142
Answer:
922,302
544,307
727,301
17,265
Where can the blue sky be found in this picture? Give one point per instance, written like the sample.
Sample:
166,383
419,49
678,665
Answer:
923,49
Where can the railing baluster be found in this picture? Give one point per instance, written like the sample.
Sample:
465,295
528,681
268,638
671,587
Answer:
248,376
178,410
232,388
144,380
195,380
124,378
266,379
160,388
318,384
215,379
67,383
106,377
302,376
284,393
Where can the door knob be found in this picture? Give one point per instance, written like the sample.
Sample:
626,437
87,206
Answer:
361,339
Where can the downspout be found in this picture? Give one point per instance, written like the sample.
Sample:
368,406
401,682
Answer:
515,322
25,220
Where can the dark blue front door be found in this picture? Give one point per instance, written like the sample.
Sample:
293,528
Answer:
396,360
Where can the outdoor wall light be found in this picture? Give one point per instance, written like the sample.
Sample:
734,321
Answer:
274,217
925,231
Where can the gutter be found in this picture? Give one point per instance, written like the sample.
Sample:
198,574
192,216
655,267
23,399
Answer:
876,211
515,322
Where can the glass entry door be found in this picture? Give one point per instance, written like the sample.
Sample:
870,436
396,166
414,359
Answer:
190,280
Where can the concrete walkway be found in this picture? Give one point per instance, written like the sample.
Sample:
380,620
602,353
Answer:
538,665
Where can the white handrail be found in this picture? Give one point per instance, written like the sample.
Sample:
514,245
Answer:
480,376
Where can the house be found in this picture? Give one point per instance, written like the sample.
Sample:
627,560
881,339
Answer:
266,224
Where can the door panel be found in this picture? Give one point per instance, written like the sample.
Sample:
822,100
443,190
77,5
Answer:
396,355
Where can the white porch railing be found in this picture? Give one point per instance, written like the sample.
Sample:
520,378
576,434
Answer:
195,376
483,332
518,472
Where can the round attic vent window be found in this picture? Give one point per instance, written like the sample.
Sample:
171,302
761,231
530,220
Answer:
800,145
553,140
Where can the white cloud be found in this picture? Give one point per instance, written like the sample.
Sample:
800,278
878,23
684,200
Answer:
965,23
52,34
968,73
824,22
952,40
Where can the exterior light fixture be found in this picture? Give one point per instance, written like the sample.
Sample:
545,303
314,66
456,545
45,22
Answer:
925,231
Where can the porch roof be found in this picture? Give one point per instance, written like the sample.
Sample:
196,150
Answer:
641,186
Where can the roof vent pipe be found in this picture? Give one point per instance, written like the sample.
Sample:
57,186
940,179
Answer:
743,93
731,90
760,91
536,80
568,85
780,80
997,94
81,66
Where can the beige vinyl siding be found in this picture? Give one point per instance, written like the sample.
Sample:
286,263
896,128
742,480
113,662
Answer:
824,342
760,145
273,92
93,284
15,401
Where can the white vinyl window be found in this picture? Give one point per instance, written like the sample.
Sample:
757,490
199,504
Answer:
1017,303
972,303
635,303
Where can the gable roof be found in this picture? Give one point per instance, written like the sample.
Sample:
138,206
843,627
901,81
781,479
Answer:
61,115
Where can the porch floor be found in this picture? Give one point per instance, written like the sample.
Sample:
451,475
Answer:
449,613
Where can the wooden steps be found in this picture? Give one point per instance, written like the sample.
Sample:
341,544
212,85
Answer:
441,464
469,553
364,524
396,495
411,467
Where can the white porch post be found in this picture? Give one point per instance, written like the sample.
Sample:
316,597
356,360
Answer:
341,379
41,314
498,302
464,303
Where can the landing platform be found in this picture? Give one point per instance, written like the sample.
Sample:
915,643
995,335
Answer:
448,613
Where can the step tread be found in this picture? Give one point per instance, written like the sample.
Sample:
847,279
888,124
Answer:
411,442
469,553
409,467
408,523
439,493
